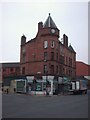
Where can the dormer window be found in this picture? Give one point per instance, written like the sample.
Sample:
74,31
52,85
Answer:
45,44
52,44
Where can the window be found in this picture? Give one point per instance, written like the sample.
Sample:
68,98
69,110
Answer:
52,44
23,70
52,69
45,68
4,70
45,44
61,49
74,58
66,71
61,59
17,69
45,56
69,72
57,56
11,69
60,69
71,62
66,60
63,71
57,69
52,55
23,57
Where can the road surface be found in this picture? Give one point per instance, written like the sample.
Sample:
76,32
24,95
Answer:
26,106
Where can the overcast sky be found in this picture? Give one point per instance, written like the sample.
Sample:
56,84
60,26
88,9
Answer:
18,18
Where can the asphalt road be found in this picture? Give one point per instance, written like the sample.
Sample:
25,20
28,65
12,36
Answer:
25,106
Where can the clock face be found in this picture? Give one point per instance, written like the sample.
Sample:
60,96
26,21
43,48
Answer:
53,30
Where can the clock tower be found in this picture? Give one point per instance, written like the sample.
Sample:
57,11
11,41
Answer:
48,39
49,28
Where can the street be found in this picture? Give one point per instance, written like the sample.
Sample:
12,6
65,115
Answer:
26,106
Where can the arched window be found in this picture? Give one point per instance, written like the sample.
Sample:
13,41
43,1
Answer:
45,44
52,44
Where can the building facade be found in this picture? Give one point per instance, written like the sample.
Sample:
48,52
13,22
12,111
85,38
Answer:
82,69
46,54
10,69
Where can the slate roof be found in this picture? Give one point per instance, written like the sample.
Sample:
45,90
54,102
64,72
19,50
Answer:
12,64
49,22
71,48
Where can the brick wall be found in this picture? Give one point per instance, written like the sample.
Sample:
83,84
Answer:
82,69
34,55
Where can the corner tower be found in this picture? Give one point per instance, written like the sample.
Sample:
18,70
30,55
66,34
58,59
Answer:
48,28
47,36
49,22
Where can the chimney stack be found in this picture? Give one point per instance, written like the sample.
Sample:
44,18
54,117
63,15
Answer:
23,40
40,25
65,40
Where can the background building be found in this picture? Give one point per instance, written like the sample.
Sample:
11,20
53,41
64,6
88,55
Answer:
9,72
10,69
83,71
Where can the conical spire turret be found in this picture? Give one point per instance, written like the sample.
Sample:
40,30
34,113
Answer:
49,22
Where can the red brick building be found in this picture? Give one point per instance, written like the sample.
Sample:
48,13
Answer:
10,69
46,54
82,69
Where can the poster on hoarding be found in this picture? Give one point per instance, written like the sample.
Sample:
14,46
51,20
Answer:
60,80
83,84
77,85
39,87
21,85
73,85
50,77
30,78
65,79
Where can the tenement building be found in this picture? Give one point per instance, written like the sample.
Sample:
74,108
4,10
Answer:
46,55
9,71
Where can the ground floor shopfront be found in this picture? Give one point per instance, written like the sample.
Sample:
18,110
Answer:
46,85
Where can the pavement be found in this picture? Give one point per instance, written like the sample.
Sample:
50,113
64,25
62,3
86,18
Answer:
26,106
0,104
